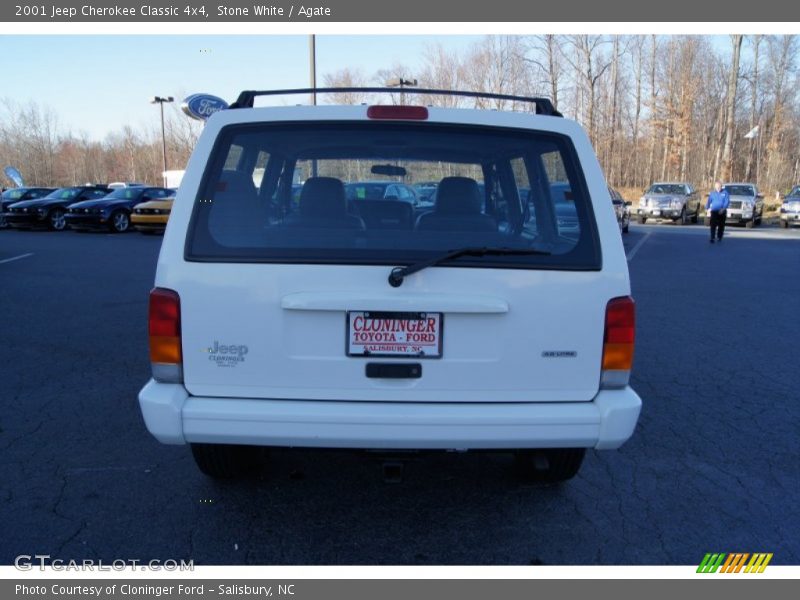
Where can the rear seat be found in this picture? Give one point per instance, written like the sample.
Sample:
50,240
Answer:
458,208
385,214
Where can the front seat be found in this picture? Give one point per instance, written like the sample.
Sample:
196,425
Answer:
458,208
323,205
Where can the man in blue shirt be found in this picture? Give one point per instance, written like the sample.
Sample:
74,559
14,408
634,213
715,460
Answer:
716,207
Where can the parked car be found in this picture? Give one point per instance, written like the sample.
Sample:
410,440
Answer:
380,190
124,184
565,210
152,216
746,204
679,202
50,211
112,211
426,191
20,194
319,330
621,209
790,208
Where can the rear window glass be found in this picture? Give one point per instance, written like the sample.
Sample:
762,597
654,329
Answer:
386,193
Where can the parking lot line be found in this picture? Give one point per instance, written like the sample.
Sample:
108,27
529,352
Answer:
7,260
638,245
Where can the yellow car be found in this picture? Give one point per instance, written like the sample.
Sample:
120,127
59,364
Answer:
152,216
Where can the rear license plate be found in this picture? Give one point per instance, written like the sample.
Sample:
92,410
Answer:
656,213
412,334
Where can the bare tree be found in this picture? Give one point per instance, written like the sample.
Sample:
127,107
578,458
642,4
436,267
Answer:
730,108
346,78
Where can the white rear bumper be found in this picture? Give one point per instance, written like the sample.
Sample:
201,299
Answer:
174,417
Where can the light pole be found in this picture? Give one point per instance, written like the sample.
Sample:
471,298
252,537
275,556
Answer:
312,66
401,83
160,101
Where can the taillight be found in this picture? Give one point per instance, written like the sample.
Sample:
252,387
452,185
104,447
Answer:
407,113
618,342
164,327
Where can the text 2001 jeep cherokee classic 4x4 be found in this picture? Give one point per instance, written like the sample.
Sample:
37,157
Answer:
474,322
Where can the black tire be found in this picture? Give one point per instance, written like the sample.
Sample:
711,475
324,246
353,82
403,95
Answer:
625,227
549,465
784,224
682,220
749,224
56,220
226,461
120,222
642,220
3,222
696,216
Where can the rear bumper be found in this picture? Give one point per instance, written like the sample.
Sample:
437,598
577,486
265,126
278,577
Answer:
174,417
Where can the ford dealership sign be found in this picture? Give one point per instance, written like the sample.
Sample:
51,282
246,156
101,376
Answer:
202,106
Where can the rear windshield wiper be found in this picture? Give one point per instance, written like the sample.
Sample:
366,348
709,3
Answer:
399,273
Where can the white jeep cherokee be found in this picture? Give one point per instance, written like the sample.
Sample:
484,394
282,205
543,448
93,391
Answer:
287,314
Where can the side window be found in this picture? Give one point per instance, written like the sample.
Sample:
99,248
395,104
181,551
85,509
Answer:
258,171
233,158
391,190
561,195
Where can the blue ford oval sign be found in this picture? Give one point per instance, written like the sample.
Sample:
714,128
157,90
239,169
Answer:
202,106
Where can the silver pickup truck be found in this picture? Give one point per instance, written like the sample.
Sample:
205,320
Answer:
746,204
678,202
790,209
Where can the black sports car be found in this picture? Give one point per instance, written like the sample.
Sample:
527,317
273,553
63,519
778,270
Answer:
50,210
114,210
19,194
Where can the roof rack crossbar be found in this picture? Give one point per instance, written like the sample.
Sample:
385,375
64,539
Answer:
543,105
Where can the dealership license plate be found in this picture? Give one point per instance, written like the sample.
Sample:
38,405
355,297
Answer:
412,334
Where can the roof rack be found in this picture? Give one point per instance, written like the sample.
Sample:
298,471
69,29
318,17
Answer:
543,105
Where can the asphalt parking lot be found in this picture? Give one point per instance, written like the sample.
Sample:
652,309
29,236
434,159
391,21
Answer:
712,467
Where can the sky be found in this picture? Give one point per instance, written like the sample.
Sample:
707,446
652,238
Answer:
97,83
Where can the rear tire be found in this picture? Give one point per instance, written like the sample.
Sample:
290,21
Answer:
225,461
642,220
549,465
784,224
749,224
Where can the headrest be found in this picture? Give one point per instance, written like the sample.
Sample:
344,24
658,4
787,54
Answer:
323,197
458,196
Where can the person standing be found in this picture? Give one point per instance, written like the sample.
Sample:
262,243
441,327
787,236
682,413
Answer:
717,207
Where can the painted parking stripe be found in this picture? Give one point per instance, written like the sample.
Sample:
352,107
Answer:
638,245
13,258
